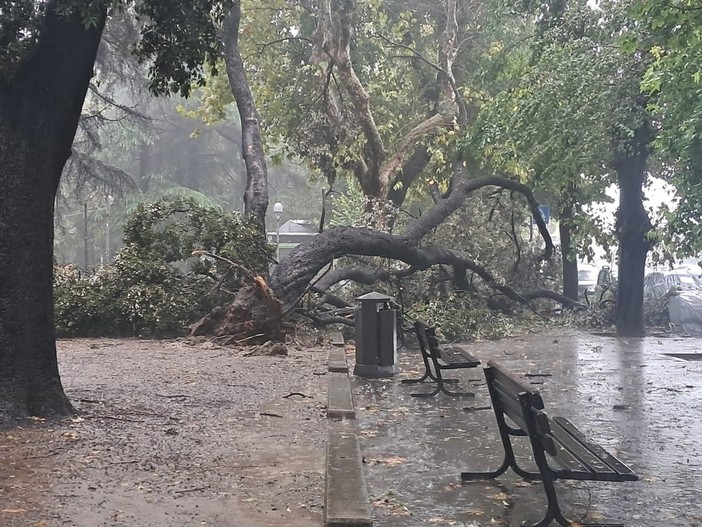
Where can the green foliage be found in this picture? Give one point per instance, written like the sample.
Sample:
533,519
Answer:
568,110
493,231
673,86
176,37
656,312
395,50
155,286
19,31
594,316
462,317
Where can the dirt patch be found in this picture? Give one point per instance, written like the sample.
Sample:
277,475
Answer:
173,434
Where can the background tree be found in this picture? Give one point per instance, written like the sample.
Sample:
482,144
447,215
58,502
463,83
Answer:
48,54
672,84
577,122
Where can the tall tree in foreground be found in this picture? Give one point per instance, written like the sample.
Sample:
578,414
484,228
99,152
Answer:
47,53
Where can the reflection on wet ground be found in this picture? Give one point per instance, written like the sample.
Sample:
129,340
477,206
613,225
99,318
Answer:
627,394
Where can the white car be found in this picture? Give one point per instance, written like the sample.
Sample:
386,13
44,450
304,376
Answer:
587,280
684,292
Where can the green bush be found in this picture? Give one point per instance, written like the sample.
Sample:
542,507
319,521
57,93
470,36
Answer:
155,287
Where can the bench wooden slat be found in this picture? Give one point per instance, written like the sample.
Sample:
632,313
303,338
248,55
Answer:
459,357
578,460
513,384
509,405
554,442
543,429
623,471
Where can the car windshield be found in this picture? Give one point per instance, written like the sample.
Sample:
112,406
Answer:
587,275
687,281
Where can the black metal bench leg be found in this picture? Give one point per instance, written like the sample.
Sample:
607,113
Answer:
440,380
525,474
553,511
441,388
472,476
427,375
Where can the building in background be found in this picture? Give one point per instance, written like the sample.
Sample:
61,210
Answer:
292,233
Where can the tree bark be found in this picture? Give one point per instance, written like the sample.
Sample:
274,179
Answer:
570,265
380,168
294,274
633,227
256,194
39,111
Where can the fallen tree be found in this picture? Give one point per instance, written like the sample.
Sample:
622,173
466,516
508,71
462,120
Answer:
295,275
384,173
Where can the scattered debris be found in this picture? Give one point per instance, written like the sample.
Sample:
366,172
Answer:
268,349
299,394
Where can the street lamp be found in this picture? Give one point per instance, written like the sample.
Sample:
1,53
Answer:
278,211
110,200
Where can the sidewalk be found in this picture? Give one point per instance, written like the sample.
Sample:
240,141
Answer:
627,394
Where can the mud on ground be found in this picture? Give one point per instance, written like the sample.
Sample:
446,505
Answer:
173,434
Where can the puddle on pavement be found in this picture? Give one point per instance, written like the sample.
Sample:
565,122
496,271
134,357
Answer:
626,394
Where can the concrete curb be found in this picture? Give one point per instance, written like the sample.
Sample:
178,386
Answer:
346,502
340,400
337,338
336,362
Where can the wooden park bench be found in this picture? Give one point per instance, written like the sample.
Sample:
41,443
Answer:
560,450
438,358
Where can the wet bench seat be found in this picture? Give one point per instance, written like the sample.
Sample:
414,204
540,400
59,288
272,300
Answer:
560,450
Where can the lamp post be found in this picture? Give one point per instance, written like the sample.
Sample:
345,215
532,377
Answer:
110,200
278,211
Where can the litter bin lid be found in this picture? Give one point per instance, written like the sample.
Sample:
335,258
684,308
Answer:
374,296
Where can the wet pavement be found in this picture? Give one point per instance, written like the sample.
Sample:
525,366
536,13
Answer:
628,395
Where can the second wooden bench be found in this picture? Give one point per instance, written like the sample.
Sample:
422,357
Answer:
437,358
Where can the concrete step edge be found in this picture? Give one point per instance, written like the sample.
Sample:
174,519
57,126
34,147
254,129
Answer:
339,398
346,502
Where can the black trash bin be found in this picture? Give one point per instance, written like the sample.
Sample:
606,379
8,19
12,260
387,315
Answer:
376,336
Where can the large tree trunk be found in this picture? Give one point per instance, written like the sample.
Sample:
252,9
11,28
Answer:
380,168
256,195
633,226
293,275
570,264
39,111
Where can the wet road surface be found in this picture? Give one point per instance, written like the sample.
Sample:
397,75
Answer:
628,395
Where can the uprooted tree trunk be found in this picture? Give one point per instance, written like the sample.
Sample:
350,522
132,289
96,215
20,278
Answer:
253,317
257,313
292,277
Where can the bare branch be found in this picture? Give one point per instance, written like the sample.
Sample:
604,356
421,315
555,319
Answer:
264,45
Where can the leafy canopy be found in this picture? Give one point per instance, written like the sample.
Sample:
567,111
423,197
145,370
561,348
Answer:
673,81
176,38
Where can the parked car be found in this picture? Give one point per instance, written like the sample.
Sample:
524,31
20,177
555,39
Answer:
587,280
683,289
